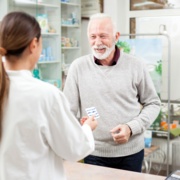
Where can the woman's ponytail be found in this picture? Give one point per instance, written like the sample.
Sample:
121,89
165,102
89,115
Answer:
4,86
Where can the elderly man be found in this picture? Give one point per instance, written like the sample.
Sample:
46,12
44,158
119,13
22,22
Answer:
119,86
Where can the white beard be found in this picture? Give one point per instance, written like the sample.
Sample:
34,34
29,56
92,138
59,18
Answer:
105,55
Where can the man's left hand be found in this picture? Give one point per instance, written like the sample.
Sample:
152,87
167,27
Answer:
121,133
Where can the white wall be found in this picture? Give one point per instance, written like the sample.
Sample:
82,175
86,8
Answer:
110,7
84,41
117,10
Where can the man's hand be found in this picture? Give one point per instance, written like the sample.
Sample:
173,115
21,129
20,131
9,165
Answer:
121,133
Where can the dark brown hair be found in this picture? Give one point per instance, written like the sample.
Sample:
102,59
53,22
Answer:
17,30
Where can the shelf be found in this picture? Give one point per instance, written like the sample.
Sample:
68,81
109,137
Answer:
70,4
70,48
50,34
71,26
48,62
156,131
70,30
33,4
49,18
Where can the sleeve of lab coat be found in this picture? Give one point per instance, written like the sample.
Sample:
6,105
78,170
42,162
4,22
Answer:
67,138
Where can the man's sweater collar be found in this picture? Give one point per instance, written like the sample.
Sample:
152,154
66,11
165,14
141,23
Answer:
115,58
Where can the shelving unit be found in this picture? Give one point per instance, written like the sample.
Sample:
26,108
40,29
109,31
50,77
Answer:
47,12
70,32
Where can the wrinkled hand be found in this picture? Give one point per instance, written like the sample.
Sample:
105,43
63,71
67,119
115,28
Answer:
121,133
89,120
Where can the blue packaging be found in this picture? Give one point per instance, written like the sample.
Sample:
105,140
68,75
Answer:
148,138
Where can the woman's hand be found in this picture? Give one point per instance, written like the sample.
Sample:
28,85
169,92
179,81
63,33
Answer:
89,120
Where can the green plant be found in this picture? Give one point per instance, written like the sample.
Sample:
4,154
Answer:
159,67
124,45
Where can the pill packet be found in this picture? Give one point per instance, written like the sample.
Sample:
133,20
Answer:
92,111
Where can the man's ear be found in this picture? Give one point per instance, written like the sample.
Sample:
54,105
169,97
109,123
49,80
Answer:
33,45
117,36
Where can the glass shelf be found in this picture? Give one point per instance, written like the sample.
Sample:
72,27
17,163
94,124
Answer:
50,34
71,4
48,62
158,131
34,4
70,47
71,26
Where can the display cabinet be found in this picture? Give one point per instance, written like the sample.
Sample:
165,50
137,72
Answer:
156,21
47,13
70,32
157,60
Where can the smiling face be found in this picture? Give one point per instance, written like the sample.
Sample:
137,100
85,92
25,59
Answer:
102,38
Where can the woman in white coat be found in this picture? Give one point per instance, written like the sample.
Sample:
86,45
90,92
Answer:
37,129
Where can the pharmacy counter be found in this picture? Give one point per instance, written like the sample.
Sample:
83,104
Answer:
81,171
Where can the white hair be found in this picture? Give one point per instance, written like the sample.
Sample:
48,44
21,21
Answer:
102,16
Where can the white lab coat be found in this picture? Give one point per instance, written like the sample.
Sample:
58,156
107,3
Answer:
39,131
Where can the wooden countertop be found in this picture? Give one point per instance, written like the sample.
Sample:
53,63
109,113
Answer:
81,171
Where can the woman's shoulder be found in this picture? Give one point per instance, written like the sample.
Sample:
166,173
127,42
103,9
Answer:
45,89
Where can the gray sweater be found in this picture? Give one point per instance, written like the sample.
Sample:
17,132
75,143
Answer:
122,94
